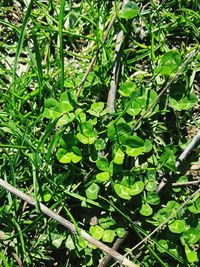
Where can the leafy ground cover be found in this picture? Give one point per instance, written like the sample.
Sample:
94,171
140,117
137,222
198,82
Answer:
102,169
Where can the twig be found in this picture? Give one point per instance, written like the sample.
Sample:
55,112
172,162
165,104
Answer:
195,140
115,72
116,245
89,69
195,182
117,256
162,224
191,55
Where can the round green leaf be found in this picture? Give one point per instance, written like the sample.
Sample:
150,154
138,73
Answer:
162,245
108,236
56,239
119,157
136,188
96,231
177,226
92,191
191,235
100,144
191,254
127,88
169,63
103,176
70,243
106,223
146,210
102,164
153,198
120,232
130,10
122,191
52,109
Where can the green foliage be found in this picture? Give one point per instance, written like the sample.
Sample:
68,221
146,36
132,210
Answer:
98,170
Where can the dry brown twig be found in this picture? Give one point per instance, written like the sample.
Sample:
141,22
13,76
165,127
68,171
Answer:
117,256
116,246
195,140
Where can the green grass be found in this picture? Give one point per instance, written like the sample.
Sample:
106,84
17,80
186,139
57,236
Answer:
54,145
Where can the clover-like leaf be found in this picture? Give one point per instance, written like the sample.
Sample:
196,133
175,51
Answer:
92,191
102,164
96,231
191,254
52,109
146,210
122,191
56,239
108,236
103,176
177,226
136,188
127,88
169,63
129,10
119,157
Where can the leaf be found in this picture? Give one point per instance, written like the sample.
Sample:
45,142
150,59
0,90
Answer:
153,198
123,131
56,239
137,188
92,191
134,152
129,10
162,245
122,191
103,176
191,254
64,103
134,142
106,223
102,164
70,243
127,88
177,226
146,210
108,236
65,119
134,108
169,63
120,232
52,109
96,231
100,144
47,196
195,207
96,109
119,157
191,236
66,157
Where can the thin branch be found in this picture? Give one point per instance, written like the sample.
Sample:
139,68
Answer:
162,224
191,55
115,72
117,256
116,246
194,142
190,183
89,69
